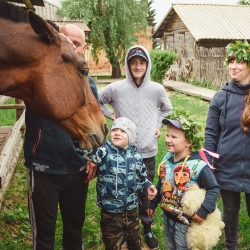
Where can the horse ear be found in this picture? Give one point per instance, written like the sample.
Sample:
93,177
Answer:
42,28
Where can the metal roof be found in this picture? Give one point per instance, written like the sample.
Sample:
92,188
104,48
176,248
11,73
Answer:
210,21
34,2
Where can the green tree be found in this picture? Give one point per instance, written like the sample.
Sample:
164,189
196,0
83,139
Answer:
113,24
151,18
244,2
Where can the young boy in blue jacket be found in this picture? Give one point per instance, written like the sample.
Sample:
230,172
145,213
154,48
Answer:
121,175
180,169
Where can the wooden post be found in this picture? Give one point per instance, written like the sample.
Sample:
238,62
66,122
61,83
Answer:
19,113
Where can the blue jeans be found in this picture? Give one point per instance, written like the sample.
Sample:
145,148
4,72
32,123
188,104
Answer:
231,208
175,234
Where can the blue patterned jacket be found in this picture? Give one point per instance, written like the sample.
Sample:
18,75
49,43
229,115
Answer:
121,176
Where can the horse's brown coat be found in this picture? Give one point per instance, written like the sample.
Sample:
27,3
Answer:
40,66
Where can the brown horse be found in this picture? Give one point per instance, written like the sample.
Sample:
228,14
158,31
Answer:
39,66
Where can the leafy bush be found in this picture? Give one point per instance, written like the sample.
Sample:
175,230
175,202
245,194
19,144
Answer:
161,62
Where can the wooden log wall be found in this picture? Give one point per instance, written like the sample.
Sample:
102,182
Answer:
194,62
182,45
11,144
209,66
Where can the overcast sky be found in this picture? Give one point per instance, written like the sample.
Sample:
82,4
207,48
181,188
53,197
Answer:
163,6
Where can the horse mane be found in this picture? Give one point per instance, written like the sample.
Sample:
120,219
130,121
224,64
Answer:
13,12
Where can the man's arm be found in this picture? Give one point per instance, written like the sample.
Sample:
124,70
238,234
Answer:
164,105
106,97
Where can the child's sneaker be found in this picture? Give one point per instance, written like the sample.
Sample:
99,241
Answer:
151,241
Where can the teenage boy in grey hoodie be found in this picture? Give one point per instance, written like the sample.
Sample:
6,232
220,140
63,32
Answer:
145,103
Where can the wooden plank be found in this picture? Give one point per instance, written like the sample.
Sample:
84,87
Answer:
4,132
189,89
12,106
4,98
5,129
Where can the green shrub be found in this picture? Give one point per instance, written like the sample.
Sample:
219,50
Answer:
161,62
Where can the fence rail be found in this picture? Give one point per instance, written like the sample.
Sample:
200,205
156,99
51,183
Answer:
11,143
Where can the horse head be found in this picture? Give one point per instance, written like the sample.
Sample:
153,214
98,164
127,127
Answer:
40,66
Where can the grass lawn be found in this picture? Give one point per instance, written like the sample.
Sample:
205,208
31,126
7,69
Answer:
14,221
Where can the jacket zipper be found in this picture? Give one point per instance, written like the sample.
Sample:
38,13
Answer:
126,188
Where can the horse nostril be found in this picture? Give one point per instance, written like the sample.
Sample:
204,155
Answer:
94,141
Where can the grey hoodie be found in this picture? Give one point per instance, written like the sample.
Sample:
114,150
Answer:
145,105
224,135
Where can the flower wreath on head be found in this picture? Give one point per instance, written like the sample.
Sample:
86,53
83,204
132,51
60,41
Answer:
193,134
191,129
240,50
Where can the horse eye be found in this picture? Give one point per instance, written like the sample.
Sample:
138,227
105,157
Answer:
84,72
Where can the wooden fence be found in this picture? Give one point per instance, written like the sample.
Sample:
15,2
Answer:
11,143
209,66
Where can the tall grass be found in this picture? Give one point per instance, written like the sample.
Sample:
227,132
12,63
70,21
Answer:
14,222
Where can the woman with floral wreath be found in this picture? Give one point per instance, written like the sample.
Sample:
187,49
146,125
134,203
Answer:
227,133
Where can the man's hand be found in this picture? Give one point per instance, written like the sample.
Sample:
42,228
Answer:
157,133
91,170
151,212
152,191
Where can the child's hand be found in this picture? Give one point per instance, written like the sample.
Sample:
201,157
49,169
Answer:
197,219
151,212
152,191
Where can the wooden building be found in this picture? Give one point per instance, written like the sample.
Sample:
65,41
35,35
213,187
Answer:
198,33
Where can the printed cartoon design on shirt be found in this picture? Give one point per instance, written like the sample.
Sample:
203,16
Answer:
166,185
181,179
175,182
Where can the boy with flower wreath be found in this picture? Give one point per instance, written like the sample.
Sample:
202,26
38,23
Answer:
181,168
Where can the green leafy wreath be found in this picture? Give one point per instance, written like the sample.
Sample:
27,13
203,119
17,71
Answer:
191,129
239,49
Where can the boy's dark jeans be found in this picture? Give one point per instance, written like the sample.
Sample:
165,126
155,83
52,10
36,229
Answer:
143,204
116,225
231,207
